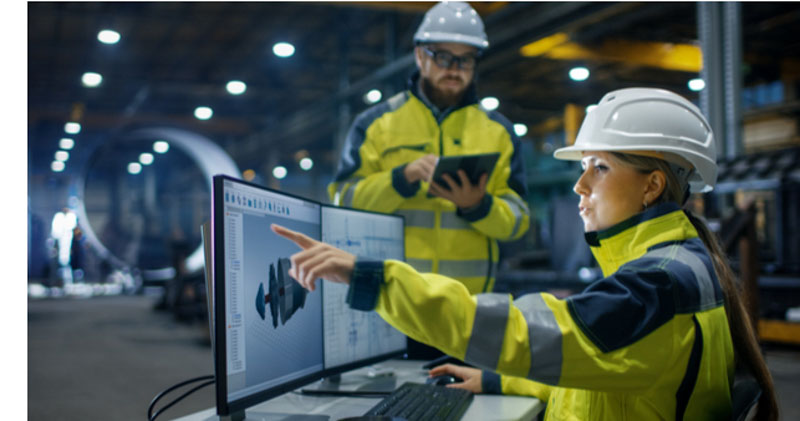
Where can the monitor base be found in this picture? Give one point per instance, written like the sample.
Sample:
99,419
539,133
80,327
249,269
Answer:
268,416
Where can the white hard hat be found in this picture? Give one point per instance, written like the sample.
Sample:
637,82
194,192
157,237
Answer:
452,21
651,122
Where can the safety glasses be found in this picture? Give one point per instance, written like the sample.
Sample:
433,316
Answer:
445,59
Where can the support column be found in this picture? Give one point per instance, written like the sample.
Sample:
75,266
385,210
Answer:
732,40
719,30
345,114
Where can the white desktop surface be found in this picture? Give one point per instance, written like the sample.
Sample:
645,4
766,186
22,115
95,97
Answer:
483,407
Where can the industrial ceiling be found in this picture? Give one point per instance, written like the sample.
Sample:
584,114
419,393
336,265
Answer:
175,56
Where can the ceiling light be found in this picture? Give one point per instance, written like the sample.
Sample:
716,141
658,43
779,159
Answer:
579,74
62,156
306,164
160,146
697,84
279,172
146,158
490,103
134,168
72,127
520,129
236,87
283,49
66,143
249,175
57,166
373,96
203,113
107,36
91,79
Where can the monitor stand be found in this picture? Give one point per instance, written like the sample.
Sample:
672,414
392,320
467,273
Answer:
352,385
268,416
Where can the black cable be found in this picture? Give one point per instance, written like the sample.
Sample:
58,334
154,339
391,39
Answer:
152,417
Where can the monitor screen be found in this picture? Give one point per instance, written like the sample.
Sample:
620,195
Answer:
268,336
355,338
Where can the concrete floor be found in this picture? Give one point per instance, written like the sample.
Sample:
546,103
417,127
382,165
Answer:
106,358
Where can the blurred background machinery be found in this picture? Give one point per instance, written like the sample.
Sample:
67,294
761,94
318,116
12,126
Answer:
131,106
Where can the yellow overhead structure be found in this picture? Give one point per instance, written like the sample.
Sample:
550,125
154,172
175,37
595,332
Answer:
670,56
573,117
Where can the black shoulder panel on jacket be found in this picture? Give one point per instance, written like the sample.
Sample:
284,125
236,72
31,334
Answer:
350,161
646,293
619,310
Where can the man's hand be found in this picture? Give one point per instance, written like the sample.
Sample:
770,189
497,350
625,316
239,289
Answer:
316,260
472,376
420,169
465,196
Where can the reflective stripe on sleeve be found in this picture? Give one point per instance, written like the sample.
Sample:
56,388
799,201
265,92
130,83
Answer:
488,330
346,190
418,218
421,265
705,285
518,208
454,222
544,337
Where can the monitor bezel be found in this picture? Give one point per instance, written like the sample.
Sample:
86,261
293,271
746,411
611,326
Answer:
225,407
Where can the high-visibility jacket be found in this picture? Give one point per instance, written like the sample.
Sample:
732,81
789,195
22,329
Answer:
440,238
649,341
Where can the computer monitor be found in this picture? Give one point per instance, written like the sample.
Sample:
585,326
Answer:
269,335
268,330
357,338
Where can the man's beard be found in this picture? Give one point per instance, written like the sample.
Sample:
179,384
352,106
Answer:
439,98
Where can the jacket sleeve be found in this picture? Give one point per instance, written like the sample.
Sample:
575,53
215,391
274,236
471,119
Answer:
503,214
361,181
534,337
493,383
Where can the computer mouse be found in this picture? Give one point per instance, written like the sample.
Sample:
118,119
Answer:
443,380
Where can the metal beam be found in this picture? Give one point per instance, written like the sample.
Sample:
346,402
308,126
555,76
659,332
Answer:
669,56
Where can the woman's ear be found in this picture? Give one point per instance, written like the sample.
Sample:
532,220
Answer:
656,183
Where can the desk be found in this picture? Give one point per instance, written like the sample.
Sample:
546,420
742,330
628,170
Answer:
483,407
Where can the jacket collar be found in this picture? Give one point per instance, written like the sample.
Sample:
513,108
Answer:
632,238
470,96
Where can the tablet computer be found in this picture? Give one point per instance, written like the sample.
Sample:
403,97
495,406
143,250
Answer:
473,165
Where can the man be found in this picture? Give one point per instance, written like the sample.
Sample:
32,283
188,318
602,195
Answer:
392,148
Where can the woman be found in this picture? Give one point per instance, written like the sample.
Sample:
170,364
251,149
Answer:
659,337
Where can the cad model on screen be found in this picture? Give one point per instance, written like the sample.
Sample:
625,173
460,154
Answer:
285,296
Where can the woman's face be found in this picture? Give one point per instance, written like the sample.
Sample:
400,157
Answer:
610,191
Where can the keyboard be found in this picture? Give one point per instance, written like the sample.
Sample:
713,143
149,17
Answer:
420,402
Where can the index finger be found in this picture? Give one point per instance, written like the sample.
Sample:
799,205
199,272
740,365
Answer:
298,238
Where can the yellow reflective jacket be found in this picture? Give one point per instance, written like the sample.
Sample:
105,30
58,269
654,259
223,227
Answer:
439,237
650,341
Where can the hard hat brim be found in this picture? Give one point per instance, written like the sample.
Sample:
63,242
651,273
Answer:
434,37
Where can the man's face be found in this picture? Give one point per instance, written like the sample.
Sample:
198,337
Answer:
448,83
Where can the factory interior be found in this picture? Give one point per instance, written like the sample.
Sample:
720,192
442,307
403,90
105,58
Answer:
133,106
